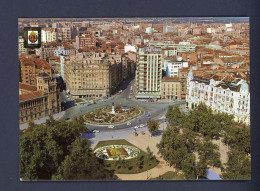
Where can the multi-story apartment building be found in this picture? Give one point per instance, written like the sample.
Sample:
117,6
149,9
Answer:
171,88
48,35
231,96
21,49
91,77
149,72
183,73
61,50
66,34
32,67
55,64
86,39
47,51
40,100
181,47
172,66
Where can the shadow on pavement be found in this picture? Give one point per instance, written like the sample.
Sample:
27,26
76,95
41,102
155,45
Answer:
157,133
88,135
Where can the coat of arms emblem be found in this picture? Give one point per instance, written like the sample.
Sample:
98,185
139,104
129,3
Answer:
32,37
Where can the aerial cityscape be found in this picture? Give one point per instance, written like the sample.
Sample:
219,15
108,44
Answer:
134,98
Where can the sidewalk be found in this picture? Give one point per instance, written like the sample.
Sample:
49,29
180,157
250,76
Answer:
56,116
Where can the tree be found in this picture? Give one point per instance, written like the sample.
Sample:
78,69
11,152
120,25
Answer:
188,166
238,166
153,125
81,164
201,169
174,115
210,151
45,147
169,112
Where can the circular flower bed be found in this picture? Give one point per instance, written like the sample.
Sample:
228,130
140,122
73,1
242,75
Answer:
105,116
114,152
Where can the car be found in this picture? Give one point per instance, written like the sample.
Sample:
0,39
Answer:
111,126
67,119
148,115
136,127
138,119
95,131
142,125
128,123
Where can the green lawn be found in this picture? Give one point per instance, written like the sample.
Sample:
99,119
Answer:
131,165
170,175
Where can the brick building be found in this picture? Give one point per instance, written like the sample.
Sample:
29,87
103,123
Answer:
37,101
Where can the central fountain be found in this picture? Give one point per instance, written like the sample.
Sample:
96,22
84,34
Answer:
113,108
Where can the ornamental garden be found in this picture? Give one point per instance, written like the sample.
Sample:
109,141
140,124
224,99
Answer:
105,116
123,157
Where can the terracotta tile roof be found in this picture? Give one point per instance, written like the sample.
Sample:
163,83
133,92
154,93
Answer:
54,58
38,62
170,79
30,96
27,87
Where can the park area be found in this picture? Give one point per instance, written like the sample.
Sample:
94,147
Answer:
105,116
125,158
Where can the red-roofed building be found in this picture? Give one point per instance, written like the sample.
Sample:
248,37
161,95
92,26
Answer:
31,67
38,101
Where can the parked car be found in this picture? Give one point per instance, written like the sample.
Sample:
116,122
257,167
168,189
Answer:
142,125
111,126
128,123
148,115
138,119
136,127
67,119
95,131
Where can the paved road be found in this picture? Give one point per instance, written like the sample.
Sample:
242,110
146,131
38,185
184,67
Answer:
156,109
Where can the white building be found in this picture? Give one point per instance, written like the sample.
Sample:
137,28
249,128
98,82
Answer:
62,51
172,66
211,30
21,48
48,36
130,47
62,66
221,96
149,30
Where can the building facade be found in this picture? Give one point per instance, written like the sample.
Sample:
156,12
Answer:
66,34
172,66
21,49
49,35
223,97
171,88
91,78
30,68
38,101
149,72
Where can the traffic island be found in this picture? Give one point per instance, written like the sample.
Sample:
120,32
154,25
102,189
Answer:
108,115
